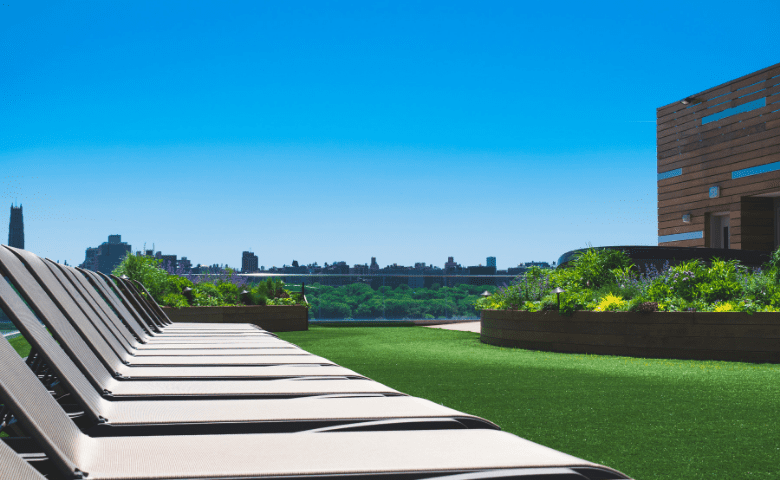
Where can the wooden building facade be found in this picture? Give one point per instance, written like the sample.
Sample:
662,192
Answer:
719,166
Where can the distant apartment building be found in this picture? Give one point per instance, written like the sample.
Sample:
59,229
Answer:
453,268
450,264
491,261
168,262
358,269
718,154
185,264
107,255
296,268
90,259
16,228
249,262
476,275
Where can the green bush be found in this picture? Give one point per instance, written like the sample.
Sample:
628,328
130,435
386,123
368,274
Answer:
167,288
229,293
606,279
144,270
175,300
596,267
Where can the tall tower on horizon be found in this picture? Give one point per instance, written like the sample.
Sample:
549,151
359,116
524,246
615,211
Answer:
16,228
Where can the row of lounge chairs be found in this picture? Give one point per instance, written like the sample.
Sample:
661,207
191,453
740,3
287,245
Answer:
113,390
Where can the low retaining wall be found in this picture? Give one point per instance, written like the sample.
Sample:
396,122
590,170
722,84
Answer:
274,318
733,336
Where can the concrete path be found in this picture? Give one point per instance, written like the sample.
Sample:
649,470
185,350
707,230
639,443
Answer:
462,326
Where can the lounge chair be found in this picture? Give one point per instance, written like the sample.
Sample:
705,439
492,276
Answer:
120,338
58,348
127,315
15,467
319,453
157,319
163,319
128,331
102,417
139,306
108,350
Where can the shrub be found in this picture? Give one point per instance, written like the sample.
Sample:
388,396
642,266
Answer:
611,303
229,292
145,270
207,295
175,300
549,303
222,289
724,307
596,267
720,281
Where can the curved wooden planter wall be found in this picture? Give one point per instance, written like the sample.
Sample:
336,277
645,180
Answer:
682,335
274,318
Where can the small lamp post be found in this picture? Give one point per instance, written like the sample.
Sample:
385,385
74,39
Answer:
484,294
187,292
244,296
558,291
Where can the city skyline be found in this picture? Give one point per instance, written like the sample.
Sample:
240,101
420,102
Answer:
406,131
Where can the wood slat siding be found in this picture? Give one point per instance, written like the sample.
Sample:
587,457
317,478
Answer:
709,153
713,136
693,117
725,88
734,122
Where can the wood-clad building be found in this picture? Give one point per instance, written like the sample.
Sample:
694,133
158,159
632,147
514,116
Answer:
719,166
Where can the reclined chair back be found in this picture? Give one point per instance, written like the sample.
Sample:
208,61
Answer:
15,467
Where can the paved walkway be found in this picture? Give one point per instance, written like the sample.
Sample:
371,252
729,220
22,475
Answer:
462,326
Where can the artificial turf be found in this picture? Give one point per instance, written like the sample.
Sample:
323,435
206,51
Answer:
649,418
20,345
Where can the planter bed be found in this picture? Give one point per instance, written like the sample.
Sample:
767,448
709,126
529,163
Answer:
733,336
274,318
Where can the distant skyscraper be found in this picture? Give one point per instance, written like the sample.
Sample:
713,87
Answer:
248,262
491,261
16,228
374,265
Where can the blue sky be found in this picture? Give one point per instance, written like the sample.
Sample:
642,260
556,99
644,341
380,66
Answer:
325,131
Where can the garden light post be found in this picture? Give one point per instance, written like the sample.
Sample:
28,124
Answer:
558,291
244,296
187,292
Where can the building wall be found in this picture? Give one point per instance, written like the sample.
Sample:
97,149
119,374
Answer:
729,137
110,255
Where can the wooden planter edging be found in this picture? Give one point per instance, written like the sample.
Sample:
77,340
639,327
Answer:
733,336
274,318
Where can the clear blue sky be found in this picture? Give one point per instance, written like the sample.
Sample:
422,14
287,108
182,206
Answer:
324,131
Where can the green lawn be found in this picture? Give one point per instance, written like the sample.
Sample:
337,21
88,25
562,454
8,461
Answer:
20,344
649,418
